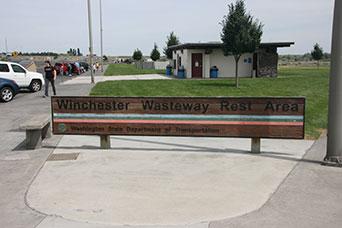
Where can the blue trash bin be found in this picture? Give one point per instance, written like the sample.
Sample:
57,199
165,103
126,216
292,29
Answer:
214,72
181,73
168,71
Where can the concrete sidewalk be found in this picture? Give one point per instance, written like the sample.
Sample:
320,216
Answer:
85,79
309,197
151,181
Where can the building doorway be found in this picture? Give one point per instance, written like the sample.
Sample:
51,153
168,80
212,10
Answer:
197,65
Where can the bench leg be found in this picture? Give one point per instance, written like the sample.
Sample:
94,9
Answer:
46,132
256,146
105,142
33,139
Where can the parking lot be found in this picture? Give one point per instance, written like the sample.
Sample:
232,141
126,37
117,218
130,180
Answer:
17,166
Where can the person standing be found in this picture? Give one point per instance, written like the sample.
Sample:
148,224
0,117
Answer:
50,77
69,70
94,68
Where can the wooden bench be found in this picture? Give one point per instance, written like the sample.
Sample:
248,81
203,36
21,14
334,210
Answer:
37,129
242,117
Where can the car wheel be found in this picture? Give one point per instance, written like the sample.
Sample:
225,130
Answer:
36,85
6,94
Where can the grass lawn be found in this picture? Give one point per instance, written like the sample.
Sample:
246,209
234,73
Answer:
308,82
128,69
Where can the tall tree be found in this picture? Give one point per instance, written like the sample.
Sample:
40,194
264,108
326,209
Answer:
172,39
241,33
155,54
317,54
137,55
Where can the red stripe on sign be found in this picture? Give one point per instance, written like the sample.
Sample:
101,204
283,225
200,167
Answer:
203,122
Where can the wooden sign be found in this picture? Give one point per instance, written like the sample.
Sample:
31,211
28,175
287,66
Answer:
180,116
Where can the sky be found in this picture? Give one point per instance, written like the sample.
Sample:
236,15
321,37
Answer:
57,25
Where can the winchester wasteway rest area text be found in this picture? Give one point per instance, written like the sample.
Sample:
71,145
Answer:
180,116
185,106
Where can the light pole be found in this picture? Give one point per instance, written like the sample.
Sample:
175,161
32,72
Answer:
101,34
90,44
334,147
6,46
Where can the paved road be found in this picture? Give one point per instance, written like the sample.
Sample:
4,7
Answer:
18,167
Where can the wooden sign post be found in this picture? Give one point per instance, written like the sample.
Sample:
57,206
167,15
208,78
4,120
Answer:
249,117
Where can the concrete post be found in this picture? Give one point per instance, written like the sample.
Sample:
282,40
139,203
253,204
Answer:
33,139
256,146
105,142
334,148
46,131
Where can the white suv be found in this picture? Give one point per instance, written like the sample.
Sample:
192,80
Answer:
24,78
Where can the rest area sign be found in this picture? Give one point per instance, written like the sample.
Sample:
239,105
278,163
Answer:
246,117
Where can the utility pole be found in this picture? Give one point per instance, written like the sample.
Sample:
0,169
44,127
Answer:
101,34
90,44
6,46
334,147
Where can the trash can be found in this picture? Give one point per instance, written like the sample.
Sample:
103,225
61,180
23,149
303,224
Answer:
168,70
181,73
214,72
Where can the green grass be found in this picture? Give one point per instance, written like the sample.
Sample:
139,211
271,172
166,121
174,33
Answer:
308,82
128,69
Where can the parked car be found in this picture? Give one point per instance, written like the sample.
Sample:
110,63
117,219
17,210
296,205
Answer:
8,89
84,65
61,68
65,69
75,69
24,78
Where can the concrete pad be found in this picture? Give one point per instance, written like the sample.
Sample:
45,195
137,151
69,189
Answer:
147,181
58,222
16,157
86,79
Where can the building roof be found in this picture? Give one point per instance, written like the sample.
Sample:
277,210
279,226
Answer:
217,45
